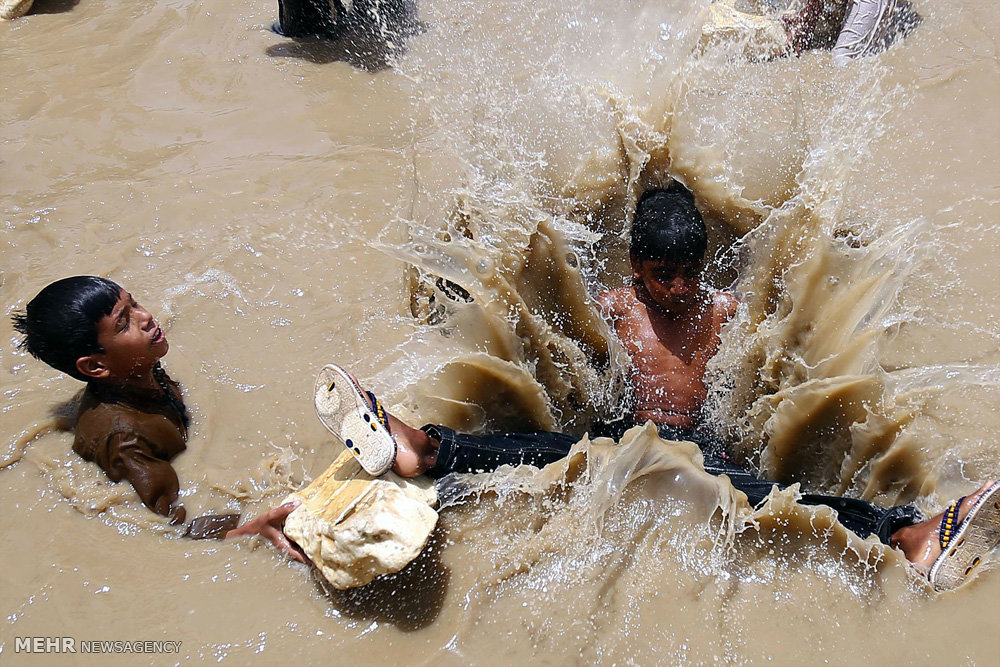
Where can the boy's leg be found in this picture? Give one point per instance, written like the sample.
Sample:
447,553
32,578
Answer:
949,547
862,518
462,452
435,450
975,520
438,450
946,549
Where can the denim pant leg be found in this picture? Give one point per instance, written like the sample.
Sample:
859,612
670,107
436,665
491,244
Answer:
462,452
860,517
864,518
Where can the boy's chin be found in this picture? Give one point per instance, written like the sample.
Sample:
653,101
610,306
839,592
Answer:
160,349
676,309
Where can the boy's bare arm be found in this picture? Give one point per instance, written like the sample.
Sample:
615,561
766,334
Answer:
269,526
152,478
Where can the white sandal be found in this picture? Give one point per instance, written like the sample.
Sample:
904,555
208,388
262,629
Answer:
963,546
341,406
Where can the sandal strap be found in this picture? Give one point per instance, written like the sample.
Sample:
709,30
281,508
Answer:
949,522
379,411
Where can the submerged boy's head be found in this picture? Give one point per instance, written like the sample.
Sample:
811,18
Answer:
667,227
90,329
668,245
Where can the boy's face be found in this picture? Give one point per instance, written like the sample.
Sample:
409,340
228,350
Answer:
132,341
672,287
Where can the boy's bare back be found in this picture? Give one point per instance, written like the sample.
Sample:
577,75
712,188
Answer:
669,351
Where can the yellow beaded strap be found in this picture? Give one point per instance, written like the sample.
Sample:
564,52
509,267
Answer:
949,523
379,411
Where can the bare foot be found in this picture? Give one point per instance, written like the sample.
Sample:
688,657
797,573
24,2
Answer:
380,441
416,452
921,542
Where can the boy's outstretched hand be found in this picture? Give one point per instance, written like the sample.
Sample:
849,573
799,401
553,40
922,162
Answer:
268,525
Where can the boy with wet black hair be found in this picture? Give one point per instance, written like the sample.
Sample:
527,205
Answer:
132,419
667,227
669,322
668,319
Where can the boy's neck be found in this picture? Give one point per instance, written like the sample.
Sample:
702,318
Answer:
698,306
141,381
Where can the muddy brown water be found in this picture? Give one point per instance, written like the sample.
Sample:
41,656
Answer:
282,205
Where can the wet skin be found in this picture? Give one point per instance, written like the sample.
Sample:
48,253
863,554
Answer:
669,324
132,344
920,542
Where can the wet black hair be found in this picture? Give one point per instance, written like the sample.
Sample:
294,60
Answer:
60,323
668,227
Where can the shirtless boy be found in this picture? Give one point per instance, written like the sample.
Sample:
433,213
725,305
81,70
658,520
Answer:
132,420
669,322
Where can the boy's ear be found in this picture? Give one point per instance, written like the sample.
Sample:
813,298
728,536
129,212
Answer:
93,367
634,263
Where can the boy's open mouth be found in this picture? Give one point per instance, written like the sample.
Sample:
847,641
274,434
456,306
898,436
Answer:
158,336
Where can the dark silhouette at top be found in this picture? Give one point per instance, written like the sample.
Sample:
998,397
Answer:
366,33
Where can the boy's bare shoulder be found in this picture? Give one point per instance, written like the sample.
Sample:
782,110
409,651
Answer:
725,304
615,303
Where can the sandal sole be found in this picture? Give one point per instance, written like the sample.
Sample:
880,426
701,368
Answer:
341,407
977,535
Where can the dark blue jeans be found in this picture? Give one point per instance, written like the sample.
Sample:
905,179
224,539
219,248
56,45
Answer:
462,452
